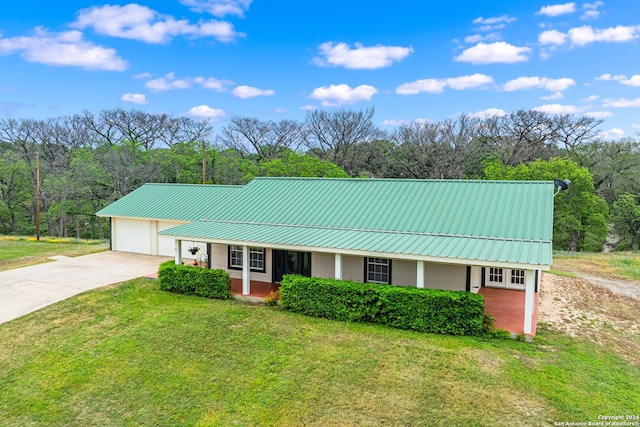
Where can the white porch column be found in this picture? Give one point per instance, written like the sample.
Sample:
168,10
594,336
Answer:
178,251
529,300
338,266
246,271
420,274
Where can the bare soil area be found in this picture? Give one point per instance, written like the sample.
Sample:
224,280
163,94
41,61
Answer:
598,307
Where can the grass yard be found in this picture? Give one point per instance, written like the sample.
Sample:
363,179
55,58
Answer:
23,251
132,355
624,265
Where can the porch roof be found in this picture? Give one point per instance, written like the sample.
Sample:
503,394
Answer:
430,246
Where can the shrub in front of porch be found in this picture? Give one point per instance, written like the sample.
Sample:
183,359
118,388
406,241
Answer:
425,310
330,298
431,310
185,279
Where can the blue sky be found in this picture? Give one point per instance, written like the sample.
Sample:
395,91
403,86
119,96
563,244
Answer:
279,59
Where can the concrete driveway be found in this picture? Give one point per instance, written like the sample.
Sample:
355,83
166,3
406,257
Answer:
28,289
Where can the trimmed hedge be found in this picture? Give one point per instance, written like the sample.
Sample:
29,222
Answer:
185,279
425,310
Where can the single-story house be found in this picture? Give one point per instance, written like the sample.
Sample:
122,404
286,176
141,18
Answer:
492,237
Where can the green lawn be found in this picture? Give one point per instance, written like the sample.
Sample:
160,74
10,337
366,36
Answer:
134,355
624,265
23,251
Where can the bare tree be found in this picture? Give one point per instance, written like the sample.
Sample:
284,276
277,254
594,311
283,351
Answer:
520,137
265,139
337,136
437,150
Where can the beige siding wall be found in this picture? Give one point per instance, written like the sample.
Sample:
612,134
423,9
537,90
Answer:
403,272
219,259
322,265
353,268
166,246
445,276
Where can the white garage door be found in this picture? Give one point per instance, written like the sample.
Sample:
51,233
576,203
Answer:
132,235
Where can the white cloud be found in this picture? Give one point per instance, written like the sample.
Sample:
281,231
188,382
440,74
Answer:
468,82
599,114
394,122
66,48
136,98
607,77
476,38
137,22
553,85
557,9
212,83
494,23
206,112
342,94
554,96
612,133
245,92
219,8
142,76
308,107
581,36
621,103
591,98
498,52
553,37
557,109
591,10
280,110
369,58
489,112
632,81
439,85
422,85
169,82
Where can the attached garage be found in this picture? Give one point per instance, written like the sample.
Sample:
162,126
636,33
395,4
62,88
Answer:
131,235
137,219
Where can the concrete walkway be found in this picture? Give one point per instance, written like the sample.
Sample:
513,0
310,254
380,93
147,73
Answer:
28,289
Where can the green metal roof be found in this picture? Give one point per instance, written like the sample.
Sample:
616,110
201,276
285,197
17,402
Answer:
506,209
501,221
180,202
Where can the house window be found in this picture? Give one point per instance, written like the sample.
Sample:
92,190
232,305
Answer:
495,275
378,270
517,277
256,258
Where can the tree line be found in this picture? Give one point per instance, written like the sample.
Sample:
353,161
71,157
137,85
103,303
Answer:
90,160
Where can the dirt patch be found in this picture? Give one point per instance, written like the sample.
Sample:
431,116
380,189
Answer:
602,310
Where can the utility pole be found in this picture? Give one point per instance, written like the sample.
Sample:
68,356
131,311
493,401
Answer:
204,163
38,196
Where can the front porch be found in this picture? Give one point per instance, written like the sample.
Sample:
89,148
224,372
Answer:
258,289
507,307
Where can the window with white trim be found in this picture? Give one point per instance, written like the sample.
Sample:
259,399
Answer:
517,277
495,275
256,258
378,270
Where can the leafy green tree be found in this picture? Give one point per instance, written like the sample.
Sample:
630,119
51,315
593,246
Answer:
580,220
295,164
625,214
15,191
